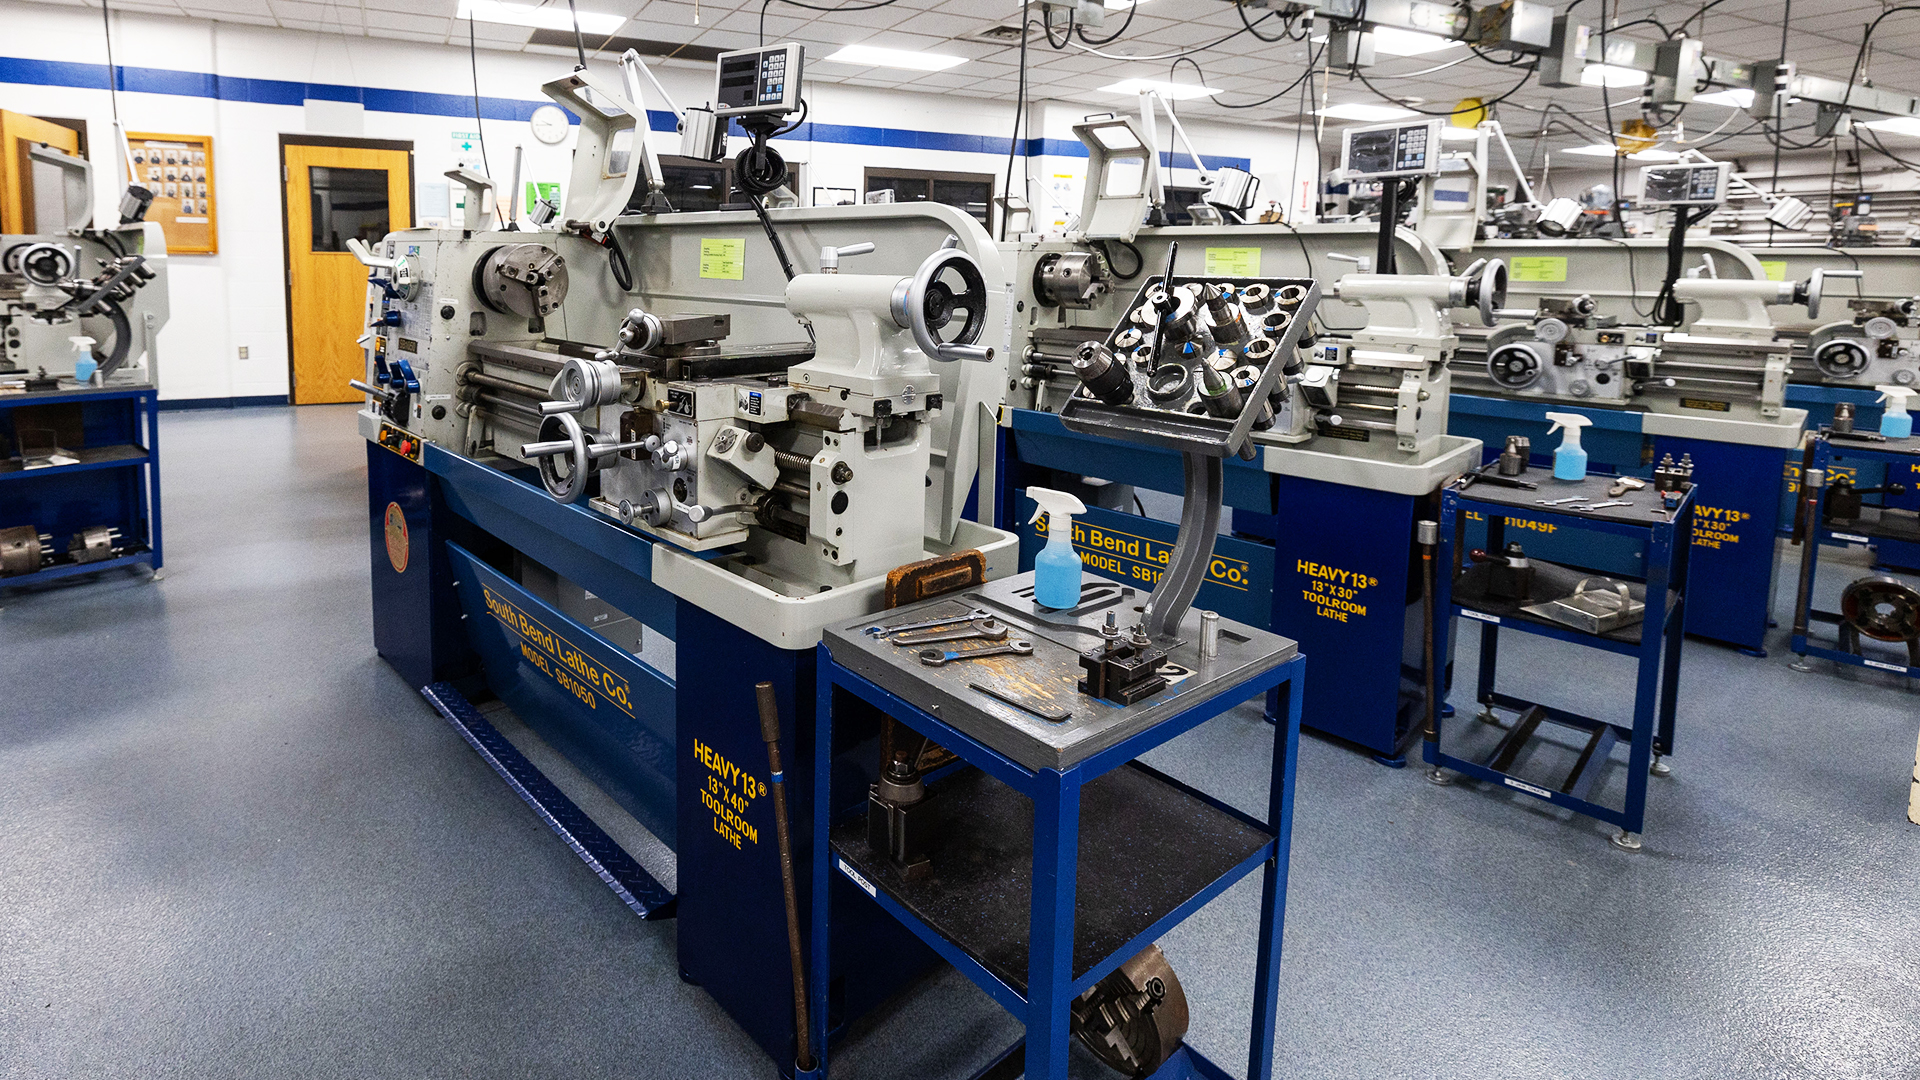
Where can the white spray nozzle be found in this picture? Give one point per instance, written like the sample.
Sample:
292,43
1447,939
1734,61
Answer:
83,344
1056,505
1895,398
1571,423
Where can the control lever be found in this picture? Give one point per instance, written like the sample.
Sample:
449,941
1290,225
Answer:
1363,264
366,256
830,256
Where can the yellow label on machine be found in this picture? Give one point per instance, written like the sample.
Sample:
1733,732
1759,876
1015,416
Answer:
1538,268
723,259
1233,262
1776,269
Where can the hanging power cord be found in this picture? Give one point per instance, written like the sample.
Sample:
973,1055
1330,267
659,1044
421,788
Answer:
579,43
473,62
1613,140
1019,121
1780,105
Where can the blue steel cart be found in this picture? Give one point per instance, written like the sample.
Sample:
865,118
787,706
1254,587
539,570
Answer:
1897,461
1731,600
1819,401
1653,642
1097,825
115,481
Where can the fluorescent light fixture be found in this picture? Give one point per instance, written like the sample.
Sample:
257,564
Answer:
1895,125
1396,42
1122,5
543,18
1611,75
1606,150
1360,110
1738,97
911,59
1451,133
1169,91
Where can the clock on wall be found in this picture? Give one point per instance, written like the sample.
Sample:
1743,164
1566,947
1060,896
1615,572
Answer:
550,124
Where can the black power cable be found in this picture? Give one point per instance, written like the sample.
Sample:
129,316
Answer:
579,43
480,129
1019,120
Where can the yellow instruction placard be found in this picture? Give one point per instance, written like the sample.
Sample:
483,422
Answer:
723,259
1233,262
1538,268
1776,269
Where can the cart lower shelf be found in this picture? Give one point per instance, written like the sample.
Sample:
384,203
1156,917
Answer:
1147,845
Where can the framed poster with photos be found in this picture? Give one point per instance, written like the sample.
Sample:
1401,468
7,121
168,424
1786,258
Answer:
178,169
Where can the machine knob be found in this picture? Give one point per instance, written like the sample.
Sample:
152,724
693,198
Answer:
447,311
389,318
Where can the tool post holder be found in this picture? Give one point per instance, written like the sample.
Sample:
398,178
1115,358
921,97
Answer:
1167,408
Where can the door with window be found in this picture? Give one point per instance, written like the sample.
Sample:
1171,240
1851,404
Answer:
336,190
18,133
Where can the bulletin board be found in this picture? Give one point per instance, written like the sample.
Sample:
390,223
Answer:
178,169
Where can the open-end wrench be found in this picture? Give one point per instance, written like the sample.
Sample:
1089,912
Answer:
965,616
1599,506
1557,502
988,629
939,657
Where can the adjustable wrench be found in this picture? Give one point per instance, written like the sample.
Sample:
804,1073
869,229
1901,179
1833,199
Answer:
989,629
965,616
940,657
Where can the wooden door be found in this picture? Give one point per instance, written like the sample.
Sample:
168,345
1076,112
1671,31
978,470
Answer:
18,131
334,193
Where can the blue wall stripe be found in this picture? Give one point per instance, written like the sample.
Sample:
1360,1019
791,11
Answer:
143,80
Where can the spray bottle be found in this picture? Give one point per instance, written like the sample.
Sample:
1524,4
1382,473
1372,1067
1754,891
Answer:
1056,570
1895,423
1569,459
84,365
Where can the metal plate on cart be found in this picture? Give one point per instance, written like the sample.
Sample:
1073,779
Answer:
1051,674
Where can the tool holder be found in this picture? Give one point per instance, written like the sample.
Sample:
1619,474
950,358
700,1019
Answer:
1166,407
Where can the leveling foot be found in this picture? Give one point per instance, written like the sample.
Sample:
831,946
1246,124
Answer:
1625,841
1436,775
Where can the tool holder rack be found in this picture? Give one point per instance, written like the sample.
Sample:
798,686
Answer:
1118,853
114,481
1654,643
1816,532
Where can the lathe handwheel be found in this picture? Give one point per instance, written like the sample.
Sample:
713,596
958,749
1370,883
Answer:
948,281
569,484
1841,359
1514,366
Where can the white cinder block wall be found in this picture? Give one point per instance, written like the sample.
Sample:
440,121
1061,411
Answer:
237,298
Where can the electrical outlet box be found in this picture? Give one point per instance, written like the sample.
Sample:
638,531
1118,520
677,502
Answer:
243,352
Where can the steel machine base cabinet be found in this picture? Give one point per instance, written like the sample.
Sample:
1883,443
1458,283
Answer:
682,755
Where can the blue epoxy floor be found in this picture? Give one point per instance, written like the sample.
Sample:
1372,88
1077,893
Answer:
233,843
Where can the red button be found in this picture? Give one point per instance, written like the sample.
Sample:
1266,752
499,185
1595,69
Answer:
406,446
